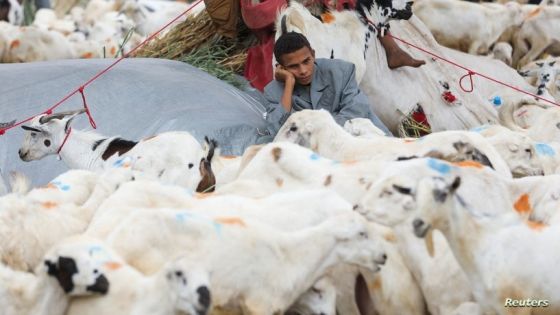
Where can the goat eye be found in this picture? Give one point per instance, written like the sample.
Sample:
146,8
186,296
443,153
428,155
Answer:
47,143
293,128
95,271
191,165
33,135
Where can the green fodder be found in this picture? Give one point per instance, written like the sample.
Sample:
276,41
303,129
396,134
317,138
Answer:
412,129
197,42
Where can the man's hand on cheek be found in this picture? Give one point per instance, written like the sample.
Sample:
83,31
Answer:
283,75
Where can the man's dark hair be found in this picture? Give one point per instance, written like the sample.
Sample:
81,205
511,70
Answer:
288,43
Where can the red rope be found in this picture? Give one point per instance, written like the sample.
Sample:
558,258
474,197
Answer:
91,121
64,141
82,87
470,75
470,72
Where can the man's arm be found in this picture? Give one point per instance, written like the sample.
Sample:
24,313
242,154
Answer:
280,108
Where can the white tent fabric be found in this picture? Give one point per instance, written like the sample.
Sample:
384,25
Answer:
394,93
137,98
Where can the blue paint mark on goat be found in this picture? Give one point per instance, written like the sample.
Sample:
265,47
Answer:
61,186
184,216
440,167
544,149
314,156
479,128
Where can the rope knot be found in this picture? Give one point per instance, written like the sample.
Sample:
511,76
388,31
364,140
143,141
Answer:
470,75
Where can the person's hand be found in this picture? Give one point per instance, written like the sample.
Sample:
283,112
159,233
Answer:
283,75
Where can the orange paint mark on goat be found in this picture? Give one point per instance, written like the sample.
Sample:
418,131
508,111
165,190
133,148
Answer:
15,44
533,13
49,204
468,164
87,55
349,162
537,226
377,285
229,157
202,195
113,51
230,221
408,140
327,18
49,186
522,204
112,265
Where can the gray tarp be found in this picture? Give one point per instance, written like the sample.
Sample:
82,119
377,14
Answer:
136,99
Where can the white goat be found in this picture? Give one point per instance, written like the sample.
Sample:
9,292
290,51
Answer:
25,293
84,266
34,44
502,51
30,225
545,73
538,121
467,26
521,153
362,127
281,209
213,243
447,198
15,12
527,45
504,274
317,130
173,157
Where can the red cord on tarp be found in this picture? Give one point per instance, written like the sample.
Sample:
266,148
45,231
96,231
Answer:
82,87
91,121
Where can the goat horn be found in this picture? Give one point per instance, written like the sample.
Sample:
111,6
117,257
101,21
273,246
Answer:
46,119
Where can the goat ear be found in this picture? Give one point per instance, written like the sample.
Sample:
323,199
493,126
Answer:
540,64
38,129
552,63
309,127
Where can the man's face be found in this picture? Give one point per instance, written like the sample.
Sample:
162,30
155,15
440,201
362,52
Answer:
301,64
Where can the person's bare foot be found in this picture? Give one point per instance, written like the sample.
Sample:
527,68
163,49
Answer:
397,58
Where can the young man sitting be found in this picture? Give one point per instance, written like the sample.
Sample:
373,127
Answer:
303,82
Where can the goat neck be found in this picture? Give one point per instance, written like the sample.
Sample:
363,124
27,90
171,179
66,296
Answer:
78,151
